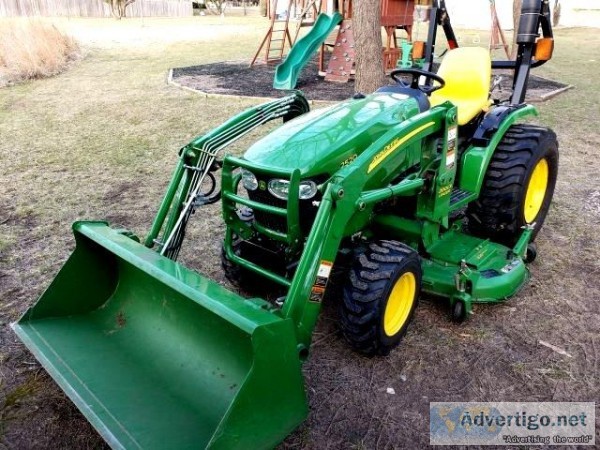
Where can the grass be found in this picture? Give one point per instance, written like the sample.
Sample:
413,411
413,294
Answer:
99,142
31,49
11,400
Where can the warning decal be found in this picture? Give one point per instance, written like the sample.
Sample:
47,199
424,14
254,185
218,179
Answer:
451,152
318,290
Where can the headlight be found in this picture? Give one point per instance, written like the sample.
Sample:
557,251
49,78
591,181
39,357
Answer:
249,180
308,189
281,188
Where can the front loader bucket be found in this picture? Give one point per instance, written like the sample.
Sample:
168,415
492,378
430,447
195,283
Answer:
157,356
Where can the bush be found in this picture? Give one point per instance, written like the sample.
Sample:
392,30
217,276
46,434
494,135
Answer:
30,49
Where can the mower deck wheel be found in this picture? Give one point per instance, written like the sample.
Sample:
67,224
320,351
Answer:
459,311
531,253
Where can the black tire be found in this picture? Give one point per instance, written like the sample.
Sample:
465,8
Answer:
499,212
238,276
246,280
367,291
531,253
459,312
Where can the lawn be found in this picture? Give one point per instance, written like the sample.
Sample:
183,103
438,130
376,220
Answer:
100,141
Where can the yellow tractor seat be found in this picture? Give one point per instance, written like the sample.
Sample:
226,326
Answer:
467,72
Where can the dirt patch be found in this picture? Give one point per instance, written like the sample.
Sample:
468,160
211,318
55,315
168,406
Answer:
238,78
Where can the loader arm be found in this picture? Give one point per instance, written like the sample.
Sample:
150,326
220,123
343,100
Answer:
196,162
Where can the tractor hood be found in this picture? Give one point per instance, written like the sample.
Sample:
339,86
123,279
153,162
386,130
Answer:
322,141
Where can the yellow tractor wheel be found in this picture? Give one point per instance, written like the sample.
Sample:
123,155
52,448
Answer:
380,297
518,185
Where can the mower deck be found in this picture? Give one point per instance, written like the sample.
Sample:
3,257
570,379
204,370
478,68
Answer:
472,269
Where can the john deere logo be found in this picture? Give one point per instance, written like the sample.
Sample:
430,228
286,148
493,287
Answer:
262,185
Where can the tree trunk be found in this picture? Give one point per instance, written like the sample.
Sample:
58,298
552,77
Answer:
556,14
366,22
125,5
516,16
118,8
114,9
263,8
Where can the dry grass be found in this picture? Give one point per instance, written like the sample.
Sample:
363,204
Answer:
99,142
11,401
31,49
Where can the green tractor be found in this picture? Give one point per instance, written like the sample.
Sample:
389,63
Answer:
422,186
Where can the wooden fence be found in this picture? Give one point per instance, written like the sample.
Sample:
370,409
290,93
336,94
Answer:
93,8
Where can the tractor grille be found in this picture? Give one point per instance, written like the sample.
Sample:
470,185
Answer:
277,223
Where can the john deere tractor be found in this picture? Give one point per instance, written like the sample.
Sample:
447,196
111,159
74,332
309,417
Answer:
423,186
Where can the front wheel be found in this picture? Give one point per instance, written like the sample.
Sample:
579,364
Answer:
380,297
238,276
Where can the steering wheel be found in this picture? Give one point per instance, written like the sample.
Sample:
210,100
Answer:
414,82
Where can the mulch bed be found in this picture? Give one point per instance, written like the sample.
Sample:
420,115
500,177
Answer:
238,79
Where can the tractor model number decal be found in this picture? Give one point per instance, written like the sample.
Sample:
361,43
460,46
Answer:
451,152
318,290
445,190
389,149
348,161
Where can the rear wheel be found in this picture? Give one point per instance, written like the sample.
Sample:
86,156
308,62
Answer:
518,185
380,297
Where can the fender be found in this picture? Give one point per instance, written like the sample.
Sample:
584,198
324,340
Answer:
476,159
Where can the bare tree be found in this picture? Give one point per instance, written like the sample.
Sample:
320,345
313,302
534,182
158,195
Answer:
366,21
118,8
216,6
263,7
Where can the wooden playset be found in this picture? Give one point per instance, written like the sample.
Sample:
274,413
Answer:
395,15
398,51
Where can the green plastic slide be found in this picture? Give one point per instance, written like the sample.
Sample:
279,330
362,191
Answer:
286,74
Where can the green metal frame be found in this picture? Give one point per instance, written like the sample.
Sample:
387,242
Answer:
475,161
